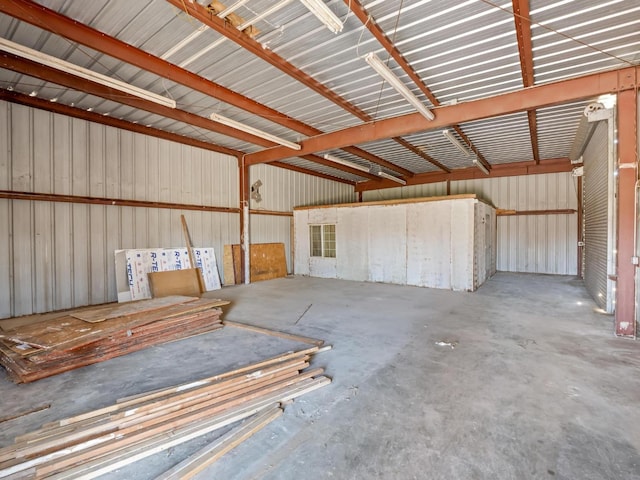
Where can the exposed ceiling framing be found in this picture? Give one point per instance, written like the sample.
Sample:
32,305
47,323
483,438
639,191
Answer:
478,66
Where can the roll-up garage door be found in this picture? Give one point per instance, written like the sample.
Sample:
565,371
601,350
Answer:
598,221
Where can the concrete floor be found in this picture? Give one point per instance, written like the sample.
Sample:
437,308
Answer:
536,385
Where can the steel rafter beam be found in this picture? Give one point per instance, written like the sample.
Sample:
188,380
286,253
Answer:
522,20
530,98
368,21
48,74
203,15
555,165
51,21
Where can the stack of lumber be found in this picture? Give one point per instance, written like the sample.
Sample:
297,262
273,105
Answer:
53,346
100,441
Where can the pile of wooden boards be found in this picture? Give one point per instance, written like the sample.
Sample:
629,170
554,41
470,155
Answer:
53,346
100,441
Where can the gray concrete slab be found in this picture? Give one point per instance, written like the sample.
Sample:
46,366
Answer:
535,386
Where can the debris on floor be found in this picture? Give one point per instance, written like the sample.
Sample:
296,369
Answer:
74,340
100,441
447,344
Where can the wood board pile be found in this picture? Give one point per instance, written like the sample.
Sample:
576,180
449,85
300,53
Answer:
100,441
46,348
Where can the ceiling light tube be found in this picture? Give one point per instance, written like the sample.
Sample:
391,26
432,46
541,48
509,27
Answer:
54,62
346,163
254,131
324,14
480,166
391,177
391,78
454,141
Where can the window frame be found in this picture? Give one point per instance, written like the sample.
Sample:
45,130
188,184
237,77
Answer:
327,240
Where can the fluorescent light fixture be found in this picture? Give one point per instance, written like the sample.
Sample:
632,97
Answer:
386,73
391,177
480,166
254,131
454,141
324,14
346,163
53,62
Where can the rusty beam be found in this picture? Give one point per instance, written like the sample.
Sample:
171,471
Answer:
555,165
52,21
203,15
274,213
329,163
522,20
111,202
422,154
558,211
625,312
48,74
360,12
55,107
208,18
537,96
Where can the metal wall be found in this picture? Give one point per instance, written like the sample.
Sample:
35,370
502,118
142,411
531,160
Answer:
282,190
60,255
526,243
598,218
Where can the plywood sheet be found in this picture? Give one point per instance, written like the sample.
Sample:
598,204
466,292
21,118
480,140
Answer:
228,265
267,261
175,282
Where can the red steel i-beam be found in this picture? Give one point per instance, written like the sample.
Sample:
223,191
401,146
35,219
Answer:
625,316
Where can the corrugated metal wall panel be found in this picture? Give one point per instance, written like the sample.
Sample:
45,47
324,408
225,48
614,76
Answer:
537,243
596,216
282,190
60,255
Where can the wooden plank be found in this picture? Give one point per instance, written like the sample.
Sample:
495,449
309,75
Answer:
175,282
227,265
206,456
129,308
274,333
88,453
192,260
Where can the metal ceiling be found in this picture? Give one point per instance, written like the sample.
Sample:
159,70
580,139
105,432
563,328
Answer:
461,51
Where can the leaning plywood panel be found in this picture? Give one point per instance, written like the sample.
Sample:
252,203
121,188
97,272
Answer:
429,245
352,245
387,242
